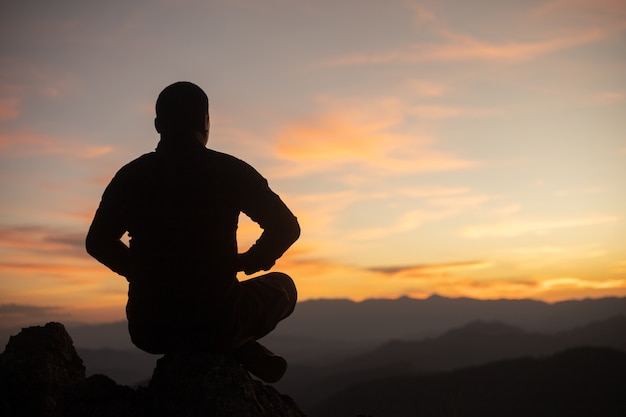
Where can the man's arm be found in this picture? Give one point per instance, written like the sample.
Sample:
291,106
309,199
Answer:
280,228
103,239
103,243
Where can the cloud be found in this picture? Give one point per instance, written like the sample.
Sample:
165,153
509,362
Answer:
578,283
70,271
619,267
581,190
317,212
585,11
362,135
26,310
449,112
420,271
11,96
9,108
609,98
406,222
439,203
466,48
607,21
520,227
28,144
427,89
24,314
41,239
39,251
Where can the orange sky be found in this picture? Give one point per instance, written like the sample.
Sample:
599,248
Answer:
467,149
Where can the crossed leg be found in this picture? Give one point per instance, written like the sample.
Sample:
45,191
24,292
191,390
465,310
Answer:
265,301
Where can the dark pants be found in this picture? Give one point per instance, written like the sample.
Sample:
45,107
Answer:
263,302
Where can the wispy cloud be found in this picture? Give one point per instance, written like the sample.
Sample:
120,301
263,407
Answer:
466,48
436,204
419,271
23,314
607,20
407,221
581,191
609,97
575,282
513,228
9,108
364,135
585,11
41,239
32,144
451,112
317,278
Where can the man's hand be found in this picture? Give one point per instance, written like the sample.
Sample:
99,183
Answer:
249,265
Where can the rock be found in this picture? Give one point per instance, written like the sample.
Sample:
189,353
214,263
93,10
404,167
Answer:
100,396
205,384
37,368
42,375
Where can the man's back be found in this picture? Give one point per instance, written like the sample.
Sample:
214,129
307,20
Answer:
180,206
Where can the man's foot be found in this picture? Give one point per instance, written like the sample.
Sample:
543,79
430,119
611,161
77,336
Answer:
261,362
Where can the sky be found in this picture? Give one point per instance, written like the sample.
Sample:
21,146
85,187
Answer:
460,148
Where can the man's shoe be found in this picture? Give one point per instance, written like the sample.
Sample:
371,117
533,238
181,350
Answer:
261,362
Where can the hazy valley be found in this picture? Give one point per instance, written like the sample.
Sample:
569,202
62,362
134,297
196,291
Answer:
338,348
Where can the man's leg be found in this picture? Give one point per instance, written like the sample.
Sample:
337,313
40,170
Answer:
265,301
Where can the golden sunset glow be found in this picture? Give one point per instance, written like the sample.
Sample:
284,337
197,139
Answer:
469,149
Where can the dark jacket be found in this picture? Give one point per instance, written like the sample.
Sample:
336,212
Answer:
180,206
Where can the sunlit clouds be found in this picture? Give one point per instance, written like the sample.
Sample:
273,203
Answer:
362,134
468,149
516,227
25,144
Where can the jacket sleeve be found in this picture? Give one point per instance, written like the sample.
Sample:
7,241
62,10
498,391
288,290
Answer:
280,226
108,225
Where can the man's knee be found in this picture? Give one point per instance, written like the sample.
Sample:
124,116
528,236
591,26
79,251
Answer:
287,284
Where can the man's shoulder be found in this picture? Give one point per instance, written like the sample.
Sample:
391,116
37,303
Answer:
139,164
234,168
222,157
227,161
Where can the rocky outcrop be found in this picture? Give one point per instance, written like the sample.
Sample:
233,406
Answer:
42,375
38,367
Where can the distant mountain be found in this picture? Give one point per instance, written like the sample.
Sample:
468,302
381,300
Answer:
375,321
474,344
403,318
126,367
578,382
323,332
480,342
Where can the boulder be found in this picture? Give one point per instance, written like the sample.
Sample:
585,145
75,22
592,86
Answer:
38,367
42,375
205,384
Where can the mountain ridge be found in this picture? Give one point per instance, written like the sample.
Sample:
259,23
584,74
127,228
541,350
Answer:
474,344
577,382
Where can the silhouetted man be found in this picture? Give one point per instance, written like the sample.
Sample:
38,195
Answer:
180,206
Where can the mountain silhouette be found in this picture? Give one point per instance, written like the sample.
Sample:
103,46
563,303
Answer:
474,344
379,320
479,342
587,381
332,344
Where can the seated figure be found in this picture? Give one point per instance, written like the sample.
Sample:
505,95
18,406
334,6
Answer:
180,207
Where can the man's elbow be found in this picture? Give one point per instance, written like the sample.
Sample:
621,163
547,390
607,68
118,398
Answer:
92,244
294,231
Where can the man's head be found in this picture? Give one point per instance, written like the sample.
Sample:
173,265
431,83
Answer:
182,108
